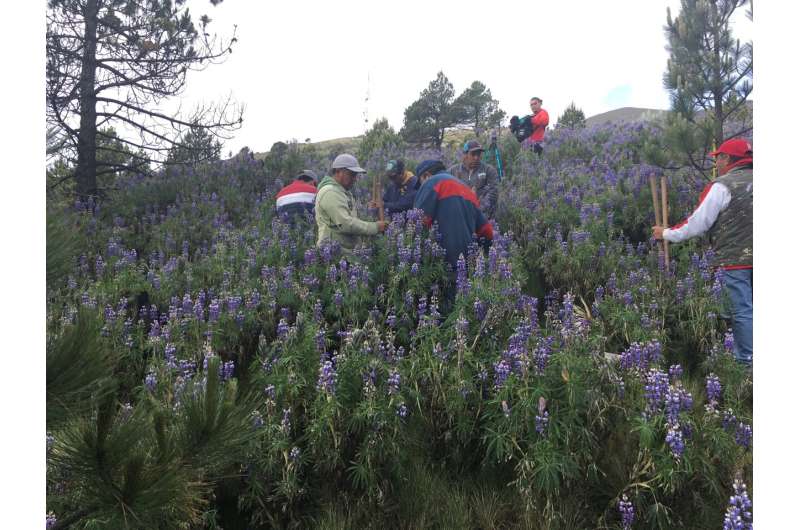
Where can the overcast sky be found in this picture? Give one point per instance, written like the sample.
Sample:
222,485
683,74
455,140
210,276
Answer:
302,68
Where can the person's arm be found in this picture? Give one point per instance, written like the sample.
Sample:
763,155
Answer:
713,200
335,206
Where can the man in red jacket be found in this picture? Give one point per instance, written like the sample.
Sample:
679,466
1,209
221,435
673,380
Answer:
726,213
297,199
539,122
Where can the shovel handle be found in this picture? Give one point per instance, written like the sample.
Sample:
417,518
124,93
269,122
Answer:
665,216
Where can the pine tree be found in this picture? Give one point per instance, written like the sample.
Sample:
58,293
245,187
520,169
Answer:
380,139
572,117
475,108
111,62
426,119
709,75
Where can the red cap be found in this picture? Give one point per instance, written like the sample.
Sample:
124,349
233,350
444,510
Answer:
735,147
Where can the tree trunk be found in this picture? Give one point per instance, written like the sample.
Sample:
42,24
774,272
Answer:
717,87
86,170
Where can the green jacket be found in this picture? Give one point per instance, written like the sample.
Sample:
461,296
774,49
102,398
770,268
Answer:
335,212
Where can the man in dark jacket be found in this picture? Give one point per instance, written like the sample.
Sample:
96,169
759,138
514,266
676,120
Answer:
453,206
297,199
481,177
399,197
726,213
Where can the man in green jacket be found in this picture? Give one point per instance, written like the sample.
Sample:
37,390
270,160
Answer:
335,207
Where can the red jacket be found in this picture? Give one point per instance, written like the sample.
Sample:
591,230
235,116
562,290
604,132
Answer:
539,121
297,196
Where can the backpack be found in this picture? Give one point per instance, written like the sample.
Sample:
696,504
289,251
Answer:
521,127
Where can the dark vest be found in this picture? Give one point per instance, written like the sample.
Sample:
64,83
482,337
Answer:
732,232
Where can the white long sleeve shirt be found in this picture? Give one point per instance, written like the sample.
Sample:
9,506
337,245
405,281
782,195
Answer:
713,200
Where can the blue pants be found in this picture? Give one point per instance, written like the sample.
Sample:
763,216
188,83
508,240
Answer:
739,286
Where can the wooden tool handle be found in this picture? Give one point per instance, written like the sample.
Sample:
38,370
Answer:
665,216
654,192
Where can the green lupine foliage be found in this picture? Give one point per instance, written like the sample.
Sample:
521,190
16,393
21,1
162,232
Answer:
273,440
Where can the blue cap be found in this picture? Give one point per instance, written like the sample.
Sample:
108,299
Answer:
427,165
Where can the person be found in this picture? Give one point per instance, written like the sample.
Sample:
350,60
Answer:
454,206
399,197
539,122
335,207
481,177
296,200
726,212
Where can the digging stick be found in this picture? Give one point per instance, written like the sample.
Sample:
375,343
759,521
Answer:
665,217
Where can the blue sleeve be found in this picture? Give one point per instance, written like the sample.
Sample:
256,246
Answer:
425,199
403,203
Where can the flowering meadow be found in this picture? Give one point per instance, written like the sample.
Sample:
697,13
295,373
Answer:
209,367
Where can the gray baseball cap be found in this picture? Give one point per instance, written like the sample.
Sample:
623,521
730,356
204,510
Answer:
347,162
307,173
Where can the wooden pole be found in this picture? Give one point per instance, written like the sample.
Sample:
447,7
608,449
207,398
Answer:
654,192
665,217
376,196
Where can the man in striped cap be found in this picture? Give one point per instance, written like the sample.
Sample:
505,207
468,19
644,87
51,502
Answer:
297,199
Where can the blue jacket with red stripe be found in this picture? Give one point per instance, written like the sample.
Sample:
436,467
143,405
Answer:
455,207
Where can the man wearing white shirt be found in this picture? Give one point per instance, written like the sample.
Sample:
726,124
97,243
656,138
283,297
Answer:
726,212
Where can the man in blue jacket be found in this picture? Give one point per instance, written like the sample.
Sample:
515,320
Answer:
456,210
453,206
399,197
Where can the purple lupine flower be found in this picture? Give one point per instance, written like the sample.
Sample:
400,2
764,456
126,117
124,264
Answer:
674,439
338,298
269,391
286,421
541,422
213,310
480,310
408,299
713,389
402,410
728,343
627,298
258,420
283,329
744,435
318,311
676,400
186,304
462,281
738,516
675,372
327,377
391,320
501,370
626,511
150,381
294,454
422,307
394,382
51,521
655,389
226,370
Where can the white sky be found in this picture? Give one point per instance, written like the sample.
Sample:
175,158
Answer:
301,68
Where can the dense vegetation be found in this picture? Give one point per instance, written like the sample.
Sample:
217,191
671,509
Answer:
208,367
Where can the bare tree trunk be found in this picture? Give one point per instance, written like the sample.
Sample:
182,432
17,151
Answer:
86,170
